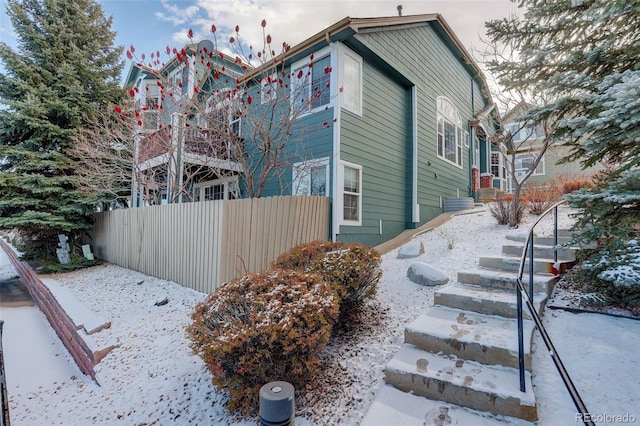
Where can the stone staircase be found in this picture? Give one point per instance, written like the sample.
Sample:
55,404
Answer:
464,350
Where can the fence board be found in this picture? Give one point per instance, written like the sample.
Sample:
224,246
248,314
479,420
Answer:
202,245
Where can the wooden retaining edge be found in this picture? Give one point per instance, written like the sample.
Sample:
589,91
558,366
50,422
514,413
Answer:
80,347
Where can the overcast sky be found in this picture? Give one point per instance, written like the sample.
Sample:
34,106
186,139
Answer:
152,25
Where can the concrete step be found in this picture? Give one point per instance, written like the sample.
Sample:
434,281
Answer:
508,263
539,241
507,279
485,300
543,252
486,339
448,378
395,407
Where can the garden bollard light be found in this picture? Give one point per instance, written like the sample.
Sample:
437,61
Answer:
277,405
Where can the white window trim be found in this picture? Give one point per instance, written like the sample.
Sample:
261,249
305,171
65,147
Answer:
541,164
457,122
227,182
345,51
340,197
320,54
301,171
213,103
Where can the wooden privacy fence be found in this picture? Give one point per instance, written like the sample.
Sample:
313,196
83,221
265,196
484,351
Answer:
202,245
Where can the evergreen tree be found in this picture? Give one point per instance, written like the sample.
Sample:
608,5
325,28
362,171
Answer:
584,55
64,69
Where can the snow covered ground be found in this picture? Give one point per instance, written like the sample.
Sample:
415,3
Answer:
152,377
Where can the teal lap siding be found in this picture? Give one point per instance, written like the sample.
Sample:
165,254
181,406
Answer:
380,142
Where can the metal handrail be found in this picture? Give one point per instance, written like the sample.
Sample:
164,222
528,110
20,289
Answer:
522,293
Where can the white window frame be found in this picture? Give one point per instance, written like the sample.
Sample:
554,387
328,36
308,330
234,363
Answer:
214,104
350,91
476,150
295,83
301,176
230,188
523,132
521,171
447,113
341,187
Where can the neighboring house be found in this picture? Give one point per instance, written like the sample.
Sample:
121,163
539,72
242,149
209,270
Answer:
193,168
405,124
527,141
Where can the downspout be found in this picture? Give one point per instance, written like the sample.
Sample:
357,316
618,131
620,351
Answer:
471,142
415,207
335,214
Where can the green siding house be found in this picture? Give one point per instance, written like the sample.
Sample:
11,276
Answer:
407,122
527,142
402,123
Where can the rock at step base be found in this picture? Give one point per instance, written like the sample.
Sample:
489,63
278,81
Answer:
411,250
421,273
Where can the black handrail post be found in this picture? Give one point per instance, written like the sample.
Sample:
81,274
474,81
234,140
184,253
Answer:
520,340
531,265
555,235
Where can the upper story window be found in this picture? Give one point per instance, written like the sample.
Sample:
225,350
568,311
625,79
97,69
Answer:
521,132
351,81
224,113
524,163
450,132
311,82
268,89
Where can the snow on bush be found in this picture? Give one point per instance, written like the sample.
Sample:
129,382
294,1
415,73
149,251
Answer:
624,268
263,327
353,269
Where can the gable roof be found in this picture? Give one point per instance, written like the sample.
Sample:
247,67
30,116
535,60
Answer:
139,69
514,112
349,26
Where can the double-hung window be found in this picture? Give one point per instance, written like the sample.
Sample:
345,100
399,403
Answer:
350,179
450,132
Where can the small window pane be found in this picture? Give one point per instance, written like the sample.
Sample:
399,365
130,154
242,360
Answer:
351,180
351,91
320,79
351,207
319,181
